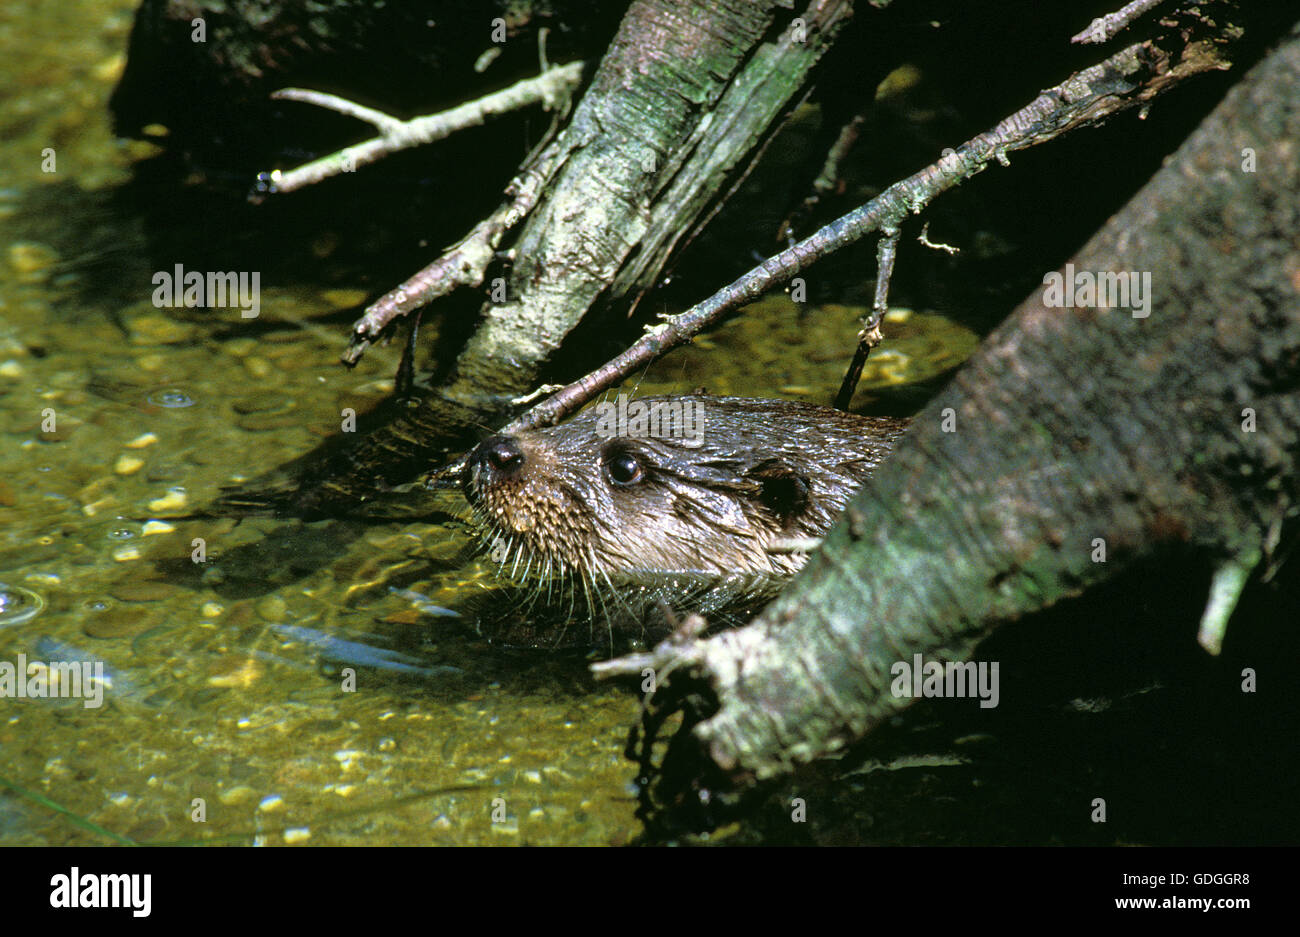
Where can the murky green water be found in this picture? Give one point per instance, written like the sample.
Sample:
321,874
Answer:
223,697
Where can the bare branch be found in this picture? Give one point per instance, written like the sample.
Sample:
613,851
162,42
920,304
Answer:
1104,27
550,88
385,124
924,238
870,335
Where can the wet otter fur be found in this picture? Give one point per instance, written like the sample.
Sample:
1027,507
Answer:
678,499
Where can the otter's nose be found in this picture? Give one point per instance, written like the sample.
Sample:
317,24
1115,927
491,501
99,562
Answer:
499,454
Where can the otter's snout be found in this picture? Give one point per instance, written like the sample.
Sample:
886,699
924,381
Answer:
495,458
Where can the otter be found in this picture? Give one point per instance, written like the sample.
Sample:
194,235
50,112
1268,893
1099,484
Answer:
698,501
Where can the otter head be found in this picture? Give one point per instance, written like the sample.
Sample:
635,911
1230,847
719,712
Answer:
585,500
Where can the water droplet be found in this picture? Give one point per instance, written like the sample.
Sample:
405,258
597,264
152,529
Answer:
17,605
171,398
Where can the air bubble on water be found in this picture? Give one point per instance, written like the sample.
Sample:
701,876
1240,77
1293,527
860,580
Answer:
18,605
171,399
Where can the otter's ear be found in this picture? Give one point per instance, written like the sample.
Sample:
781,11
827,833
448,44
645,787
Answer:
782,491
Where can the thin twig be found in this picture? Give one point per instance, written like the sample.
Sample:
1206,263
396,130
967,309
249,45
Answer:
405,381
870,335
550,88
1104,27
384,123
827,179
924,238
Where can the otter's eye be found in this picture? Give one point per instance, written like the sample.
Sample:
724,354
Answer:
623,468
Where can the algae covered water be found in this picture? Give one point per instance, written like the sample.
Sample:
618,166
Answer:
260,680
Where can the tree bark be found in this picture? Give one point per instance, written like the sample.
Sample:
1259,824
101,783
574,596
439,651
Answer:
1072,425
